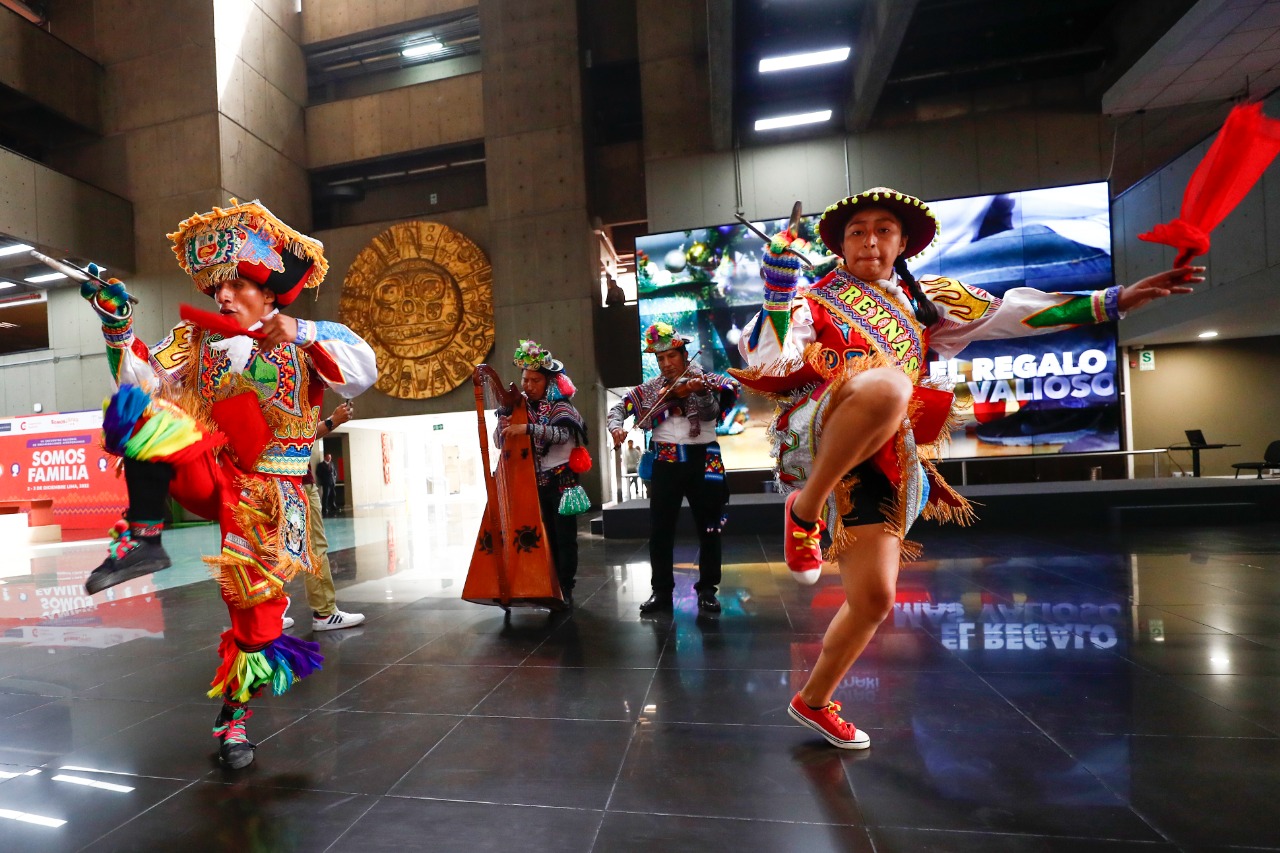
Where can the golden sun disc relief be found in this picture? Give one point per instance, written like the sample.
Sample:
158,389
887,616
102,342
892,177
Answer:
421,294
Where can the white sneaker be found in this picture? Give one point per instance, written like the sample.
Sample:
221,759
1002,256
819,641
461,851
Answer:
336,620
288,622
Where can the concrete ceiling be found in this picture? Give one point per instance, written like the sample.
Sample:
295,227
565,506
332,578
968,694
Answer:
1220,50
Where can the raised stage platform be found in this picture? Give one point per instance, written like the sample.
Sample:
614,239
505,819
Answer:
1091,503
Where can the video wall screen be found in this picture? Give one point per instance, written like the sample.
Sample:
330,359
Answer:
1055,393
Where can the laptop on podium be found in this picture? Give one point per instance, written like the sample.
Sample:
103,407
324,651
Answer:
1195,438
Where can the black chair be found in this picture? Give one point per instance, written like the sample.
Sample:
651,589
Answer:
1270,461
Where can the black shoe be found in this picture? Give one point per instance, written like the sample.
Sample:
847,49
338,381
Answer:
657,603
707,602
147,557
236,751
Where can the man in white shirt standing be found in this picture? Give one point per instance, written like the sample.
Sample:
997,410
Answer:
681,407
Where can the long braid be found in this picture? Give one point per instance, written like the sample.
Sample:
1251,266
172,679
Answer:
926,311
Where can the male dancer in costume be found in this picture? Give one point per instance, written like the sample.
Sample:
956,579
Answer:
846,361
681,407
556,430
223,421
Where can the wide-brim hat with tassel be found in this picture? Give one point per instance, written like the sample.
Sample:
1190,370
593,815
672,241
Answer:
918,221
248,241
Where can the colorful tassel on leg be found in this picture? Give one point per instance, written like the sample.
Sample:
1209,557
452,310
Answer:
140,426
278,665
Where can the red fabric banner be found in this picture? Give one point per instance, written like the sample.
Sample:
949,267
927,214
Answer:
1245,147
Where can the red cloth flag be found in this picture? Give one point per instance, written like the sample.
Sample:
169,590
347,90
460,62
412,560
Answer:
1245,146
212,321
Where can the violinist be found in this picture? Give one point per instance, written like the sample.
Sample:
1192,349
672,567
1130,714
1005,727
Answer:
681,407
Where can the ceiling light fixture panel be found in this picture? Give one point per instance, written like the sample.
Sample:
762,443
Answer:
793,120
803,60
426,48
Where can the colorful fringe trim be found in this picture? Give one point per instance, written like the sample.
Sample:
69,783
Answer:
138,425
254,215
279,664
253,567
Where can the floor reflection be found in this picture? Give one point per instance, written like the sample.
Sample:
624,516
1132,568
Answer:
1027,692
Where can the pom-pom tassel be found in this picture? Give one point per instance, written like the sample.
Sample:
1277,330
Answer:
565,386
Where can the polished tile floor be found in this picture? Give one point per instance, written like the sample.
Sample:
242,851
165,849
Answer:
1055,692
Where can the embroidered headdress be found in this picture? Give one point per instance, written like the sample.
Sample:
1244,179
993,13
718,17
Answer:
918,221
661,337
530,355
248,241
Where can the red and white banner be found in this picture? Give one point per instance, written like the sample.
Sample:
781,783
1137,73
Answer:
60,457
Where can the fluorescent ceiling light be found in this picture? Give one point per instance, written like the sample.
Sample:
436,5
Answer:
14,250
787,121
41,279
425,49
1208,334
5,285
803,60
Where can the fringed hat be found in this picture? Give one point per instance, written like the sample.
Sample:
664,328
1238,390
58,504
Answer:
661,337
248,241
530,355
918,221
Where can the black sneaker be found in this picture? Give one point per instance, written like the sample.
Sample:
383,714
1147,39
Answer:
236,751
707,602
657,603
146,557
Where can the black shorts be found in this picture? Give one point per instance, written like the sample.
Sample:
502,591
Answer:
870,494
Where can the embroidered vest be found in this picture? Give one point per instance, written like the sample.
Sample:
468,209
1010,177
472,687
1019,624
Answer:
852,319
288,394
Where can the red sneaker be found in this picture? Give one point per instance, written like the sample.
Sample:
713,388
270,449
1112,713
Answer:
827,722
803,548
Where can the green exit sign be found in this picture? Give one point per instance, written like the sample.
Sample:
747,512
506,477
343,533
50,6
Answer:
437,426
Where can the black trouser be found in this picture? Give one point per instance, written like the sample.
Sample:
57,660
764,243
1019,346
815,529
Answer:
329,499
562,536
671,483
148,486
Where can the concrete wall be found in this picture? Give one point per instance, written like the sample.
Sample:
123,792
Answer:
1242,290
441,112
983,154
50,71
60,214
1225,388
543,250
261,95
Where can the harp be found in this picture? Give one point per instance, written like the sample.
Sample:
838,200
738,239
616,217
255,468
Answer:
511,564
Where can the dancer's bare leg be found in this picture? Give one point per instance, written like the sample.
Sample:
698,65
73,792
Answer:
869,573
866,412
